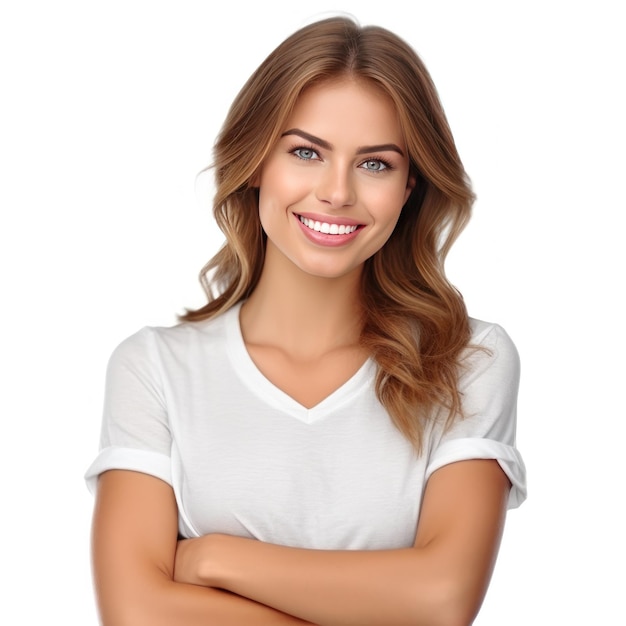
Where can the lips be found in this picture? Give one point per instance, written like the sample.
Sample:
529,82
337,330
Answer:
328,228
336,233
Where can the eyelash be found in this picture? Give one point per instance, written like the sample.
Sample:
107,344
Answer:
294,150
387,165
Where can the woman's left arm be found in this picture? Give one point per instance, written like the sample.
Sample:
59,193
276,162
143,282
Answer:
441,580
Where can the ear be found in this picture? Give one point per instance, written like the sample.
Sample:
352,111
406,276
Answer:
410,185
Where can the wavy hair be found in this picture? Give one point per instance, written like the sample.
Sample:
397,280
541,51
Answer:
415,322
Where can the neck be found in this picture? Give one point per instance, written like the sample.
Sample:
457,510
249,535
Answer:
302,313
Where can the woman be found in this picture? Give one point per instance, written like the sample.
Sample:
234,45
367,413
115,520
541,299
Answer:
331,439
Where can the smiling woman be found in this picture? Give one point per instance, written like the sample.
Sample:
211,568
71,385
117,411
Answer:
331,438
331,191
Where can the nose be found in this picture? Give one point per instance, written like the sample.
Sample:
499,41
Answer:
336,186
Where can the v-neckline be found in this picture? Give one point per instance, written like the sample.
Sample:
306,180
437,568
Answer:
265,389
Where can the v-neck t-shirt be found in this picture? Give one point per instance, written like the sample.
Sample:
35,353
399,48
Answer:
187,405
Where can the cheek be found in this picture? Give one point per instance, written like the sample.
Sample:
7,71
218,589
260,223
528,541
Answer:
279,190
387,204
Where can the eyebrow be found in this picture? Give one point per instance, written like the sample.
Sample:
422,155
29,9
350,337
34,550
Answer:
322,143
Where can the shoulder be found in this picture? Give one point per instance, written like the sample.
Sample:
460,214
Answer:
492,349
489,385
491,336
158,343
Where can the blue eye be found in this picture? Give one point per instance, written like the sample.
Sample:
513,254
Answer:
374,165
306,154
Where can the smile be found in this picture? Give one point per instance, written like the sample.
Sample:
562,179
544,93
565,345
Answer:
326,228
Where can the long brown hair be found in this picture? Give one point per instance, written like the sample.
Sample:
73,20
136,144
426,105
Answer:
415,325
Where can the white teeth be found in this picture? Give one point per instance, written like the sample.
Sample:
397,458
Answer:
325,227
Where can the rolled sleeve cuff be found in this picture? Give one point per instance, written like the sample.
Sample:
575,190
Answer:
145,461
507,456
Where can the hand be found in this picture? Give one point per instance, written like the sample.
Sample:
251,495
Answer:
195,560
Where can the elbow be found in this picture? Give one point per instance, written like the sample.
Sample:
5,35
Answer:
135,608
129,615
451,615
446,603
126,614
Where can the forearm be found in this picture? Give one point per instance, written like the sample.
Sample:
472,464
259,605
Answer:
368,588
440,581
165,602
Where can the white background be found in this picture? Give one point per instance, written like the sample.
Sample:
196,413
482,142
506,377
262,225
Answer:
110,109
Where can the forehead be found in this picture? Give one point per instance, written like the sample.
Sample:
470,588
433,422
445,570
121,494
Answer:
347,110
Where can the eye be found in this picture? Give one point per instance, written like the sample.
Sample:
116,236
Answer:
306,154
375,165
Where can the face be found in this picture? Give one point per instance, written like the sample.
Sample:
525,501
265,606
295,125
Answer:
331,191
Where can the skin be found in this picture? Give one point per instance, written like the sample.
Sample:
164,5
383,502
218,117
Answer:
309,285
301,328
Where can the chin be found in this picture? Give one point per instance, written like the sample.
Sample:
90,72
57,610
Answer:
330,272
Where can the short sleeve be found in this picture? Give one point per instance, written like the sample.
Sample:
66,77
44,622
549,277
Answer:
135,434
489,385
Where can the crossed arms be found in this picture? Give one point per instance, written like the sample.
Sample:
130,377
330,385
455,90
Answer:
144,576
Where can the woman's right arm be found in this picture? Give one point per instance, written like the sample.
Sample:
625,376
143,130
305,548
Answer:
134,538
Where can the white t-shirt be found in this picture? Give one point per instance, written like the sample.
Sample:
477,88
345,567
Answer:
188,405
